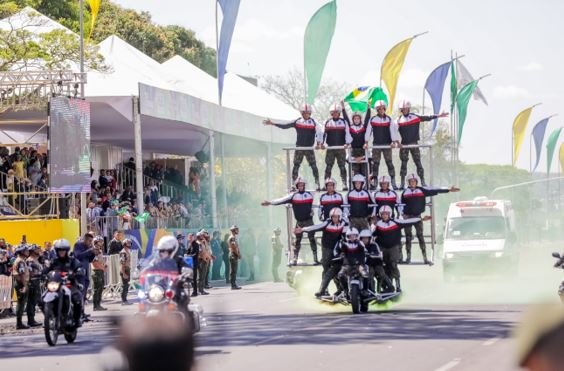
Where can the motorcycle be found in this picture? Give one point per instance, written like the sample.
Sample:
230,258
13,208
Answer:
58,309
559,264
163,290
359,295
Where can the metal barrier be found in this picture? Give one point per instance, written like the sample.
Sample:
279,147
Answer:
106,225
30,205
112,279
5,292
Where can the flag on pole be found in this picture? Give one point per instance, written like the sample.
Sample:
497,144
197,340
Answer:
519,126
94,9
562,158
375,95
391,68
462,101
550,147
538,136
230,9
317,41
453,87
464,77
358,98
435,86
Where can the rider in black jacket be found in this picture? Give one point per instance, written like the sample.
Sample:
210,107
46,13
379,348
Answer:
64,263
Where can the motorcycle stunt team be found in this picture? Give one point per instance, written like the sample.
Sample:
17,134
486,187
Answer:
361,227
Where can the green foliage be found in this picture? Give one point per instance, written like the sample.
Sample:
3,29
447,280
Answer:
136,28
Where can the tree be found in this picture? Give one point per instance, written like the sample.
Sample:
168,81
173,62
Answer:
290,89
54,50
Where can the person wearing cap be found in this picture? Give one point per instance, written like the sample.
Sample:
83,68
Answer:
21,274
307,131
234,256
302,203
276,253
125,269
336,134
98,269
34,294
357,130
383,132
181,246
540,337
408,126
414,201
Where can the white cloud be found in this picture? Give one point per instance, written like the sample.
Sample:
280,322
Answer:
530,67
511,92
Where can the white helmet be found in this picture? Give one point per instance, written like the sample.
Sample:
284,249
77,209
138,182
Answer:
306,108
299,180
405,104
335,108
412,177
336,211
169,244
385,179
365,233
351,232
358,178
385,209
330,180
380,103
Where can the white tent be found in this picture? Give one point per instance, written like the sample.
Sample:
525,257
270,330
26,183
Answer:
238,93
32,21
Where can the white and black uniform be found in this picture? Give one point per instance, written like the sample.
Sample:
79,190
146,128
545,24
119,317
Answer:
383,131
408,126
386,198
308,132
332,234
302,203
328,202
360,208
414,201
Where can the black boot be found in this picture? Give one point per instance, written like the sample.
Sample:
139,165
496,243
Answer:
345,188
315,260
408,259
394,185
423,183
20,325
402,182
31,322
425,260
398,286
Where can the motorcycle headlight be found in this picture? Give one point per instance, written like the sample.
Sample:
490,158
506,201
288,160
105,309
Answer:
156,294
53,286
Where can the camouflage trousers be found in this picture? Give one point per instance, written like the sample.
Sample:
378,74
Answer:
416,155
341,156
377,156
299,158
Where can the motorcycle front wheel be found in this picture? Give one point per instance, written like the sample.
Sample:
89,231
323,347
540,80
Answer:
70,336
355,299
50,325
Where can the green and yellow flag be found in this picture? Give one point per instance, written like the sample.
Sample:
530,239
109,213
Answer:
358,98
391,68
94,9
519,127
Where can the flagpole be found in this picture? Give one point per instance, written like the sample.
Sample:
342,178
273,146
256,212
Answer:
217,50
456,143
81,4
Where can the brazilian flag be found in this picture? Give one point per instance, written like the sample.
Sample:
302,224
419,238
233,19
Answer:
359,98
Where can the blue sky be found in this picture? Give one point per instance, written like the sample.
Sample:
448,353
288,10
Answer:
518,42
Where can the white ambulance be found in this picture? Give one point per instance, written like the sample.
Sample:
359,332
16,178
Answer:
479,239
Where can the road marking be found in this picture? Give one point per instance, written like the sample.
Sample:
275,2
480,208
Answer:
492,341
290,299
450,365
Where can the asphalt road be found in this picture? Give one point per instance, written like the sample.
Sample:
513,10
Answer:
268,326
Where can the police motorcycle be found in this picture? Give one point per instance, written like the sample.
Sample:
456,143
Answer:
559,264
165,286
58,308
